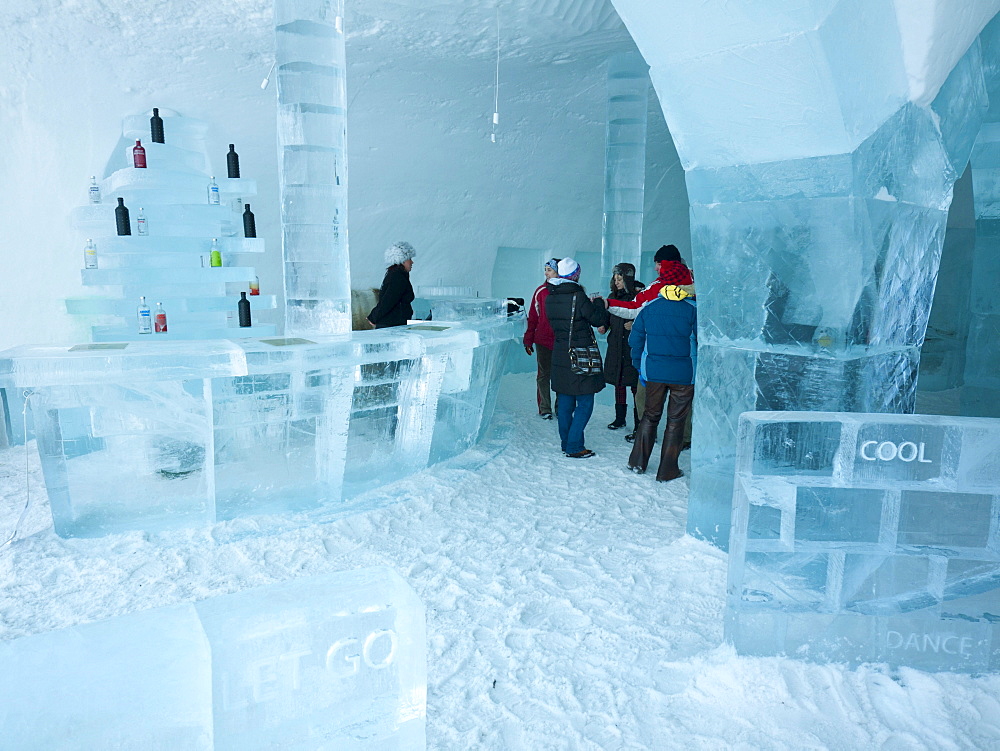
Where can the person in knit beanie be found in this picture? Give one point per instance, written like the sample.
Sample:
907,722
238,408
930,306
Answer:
394,306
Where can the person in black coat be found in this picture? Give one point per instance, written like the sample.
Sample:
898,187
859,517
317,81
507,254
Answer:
396,295
618,370
571,314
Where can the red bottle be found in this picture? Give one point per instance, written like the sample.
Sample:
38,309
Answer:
160,319
139,155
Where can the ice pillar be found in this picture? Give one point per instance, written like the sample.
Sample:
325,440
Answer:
981,391
820,168
625,161
312,165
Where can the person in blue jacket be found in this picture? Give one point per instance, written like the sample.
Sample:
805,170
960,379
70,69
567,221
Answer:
663,339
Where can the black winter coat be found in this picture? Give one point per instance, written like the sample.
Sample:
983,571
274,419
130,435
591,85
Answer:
618,362
394,299
558,307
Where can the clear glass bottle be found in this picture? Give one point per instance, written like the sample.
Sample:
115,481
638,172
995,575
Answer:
160,319
216,256
94,192
140,223
90,255
213,192
145,317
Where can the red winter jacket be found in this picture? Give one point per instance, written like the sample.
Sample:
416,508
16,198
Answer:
671,272
539,330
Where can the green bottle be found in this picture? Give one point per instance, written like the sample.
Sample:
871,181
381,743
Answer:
216,255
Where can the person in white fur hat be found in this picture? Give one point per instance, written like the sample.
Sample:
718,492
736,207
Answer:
396,294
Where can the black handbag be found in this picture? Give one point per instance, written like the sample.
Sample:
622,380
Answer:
584,361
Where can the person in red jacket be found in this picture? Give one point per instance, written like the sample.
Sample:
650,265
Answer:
540,337
670,270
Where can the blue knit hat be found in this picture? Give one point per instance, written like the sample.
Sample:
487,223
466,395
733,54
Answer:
553,263
569,269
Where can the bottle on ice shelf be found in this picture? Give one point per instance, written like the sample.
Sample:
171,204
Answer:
94,192
243,306
138,155
213,192
156,126
216,256
145,317
160,319
254,286
249,223
140,223
232,162
90,255
121,218
336,225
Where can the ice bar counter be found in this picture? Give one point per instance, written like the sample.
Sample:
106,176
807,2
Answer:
158,434
867,538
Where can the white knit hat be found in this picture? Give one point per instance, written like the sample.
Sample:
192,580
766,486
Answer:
399,252
569,269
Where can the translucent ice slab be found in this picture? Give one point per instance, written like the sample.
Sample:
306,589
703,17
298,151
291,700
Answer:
157,434
333,661
862,537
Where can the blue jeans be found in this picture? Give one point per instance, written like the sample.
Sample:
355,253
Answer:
573,414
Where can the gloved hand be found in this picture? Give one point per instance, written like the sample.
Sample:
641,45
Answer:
529,349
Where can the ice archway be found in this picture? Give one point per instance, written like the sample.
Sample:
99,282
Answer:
820,140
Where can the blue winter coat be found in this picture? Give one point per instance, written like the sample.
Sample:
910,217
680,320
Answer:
662,339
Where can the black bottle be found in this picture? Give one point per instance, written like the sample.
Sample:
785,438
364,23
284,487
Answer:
156,126
249,225
121,218
244,309
233,161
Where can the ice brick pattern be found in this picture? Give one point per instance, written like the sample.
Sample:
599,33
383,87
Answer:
625,161
337,659
312,165
867,538
157,435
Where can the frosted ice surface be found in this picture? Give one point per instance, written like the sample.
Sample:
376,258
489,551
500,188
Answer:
333,661
137,681
155,435
862,537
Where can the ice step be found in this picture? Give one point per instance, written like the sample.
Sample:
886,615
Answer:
160,277
182,220
146,244
168,156
176,332
169,186
176,130
174,305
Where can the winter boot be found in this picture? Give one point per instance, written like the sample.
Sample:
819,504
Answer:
621,410
645,437
635,425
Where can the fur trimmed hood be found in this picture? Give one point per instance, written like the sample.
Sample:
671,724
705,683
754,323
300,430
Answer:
399,252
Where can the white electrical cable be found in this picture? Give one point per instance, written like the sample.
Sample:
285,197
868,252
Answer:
496,85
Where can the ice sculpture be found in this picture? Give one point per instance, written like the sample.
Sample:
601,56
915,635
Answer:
171,264
981,388
312,165
862,538
152,435
625,161
332,661
819,175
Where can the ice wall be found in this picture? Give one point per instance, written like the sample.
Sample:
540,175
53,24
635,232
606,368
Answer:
981,390
819,196
624,162
312,165
867,538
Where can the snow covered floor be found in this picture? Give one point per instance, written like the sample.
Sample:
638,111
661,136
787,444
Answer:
566,608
